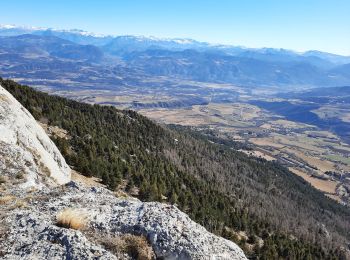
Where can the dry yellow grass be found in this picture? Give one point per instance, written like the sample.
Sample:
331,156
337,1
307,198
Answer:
326,186
258,154
321,165
87,181
135,246
335,197
20,204
266,142
72,218
55,131
6,199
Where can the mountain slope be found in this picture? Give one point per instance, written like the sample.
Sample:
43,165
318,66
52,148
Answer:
29,45
131,43
42,219
248,70
342,70
126,44
52,61
74,35
224,190
52,52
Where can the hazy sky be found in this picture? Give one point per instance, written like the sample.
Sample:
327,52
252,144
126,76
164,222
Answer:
292,24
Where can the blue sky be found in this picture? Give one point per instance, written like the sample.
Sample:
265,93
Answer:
292,24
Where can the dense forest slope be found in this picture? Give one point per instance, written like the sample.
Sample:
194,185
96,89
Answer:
49,212
279,214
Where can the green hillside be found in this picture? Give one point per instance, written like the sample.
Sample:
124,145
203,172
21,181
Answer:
218,187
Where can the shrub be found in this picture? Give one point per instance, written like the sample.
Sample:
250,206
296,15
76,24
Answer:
19,175
72,218
136,247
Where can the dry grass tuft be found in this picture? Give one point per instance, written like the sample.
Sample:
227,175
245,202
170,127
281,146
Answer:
32,190
21,204
136,247
72,218
6,199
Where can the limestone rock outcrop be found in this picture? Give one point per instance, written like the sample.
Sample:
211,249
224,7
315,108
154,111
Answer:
26,152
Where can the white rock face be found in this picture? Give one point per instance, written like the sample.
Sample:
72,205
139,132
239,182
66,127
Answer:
171,233
26,149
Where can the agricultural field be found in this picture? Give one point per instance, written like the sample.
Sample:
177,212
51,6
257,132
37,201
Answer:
329,111
308,151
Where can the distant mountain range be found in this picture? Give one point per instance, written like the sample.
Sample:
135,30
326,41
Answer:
34,46
180,58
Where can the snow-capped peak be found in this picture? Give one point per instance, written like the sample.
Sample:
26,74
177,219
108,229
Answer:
34,29
27,28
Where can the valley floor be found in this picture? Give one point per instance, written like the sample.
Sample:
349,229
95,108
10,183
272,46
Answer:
319,156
